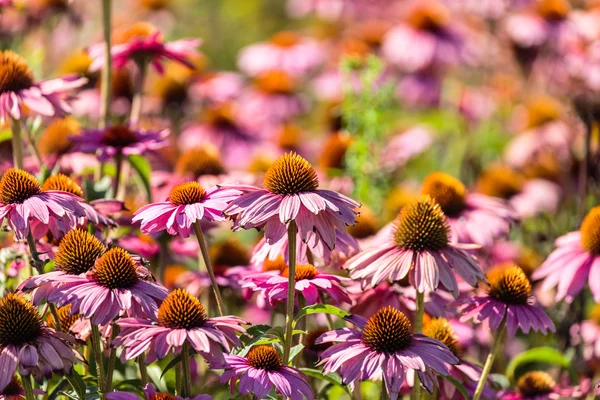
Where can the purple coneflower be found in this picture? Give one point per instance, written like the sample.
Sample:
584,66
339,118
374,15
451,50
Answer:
145,43
291,194
309,282
472,217
181,319
118,140
536,385
14,390
18,89
114,287
150,393
384,347
22,202
29,345
575,261
420,248
260,371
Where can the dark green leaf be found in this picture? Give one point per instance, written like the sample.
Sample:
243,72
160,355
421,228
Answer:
170,365
142,167
459,386
77,384
321,308
333,379
547,355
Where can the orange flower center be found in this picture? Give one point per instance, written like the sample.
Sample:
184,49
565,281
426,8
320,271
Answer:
285,39
181,310
291,174
264,357
187,193
77,252
276,82
116,269
16,186
199,162
20,321
510,286
56,138
447,191
421,225
15,74
535,383
590,231
428,16
441,329
302,272
388,331
63,183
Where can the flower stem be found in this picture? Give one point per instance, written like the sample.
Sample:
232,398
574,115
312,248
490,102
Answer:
35,259
109,371
289,315
418,328
143,369
490,359
118,173
26,381
55,316
138,96
17,146
106,88
97,347
187,377
178,380
211,273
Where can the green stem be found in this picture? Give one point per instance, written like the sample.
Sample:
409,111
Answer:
187,377
118,173
418,328
143,369
55,316
26,381
17,145
109,371
138,96
31,142
105,90
35,259
289,315
97,347
489,362
178,380
211,272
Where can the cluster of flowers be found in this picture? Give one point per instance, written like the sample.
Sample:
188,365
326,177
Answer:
128,191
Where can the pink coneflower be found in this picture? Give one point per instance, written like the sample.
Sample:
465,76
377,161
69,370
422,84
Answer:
181,319
426,39
144,245
420,248
367,301
260,371
384,347
574,261
150,393
217,87
14,390
18,90
144,43
309,282
291,194
286,51
537,385
119,140
509,301
472,217
401,148
587,334
187,204
420,90
22,202
114,287
76,255
28,344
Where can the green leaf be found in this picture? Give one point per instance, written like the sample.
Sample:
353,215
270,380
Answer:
77,383
321,308
58,390
297,349
333,379
459,386
547,355
142,167
170,365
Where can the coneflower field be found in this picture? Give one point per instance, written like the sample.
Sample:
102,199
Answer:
299,199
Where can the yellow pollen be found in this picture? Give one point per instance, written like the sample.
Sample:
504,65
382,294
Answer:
535,383
20,321
441,329
62,183
302,272
187,193
421,225
116,269
510,285
264,357
388,331
56,138
17,185
15,74
291,174
200,161
447,191
181,310
590,231
77,252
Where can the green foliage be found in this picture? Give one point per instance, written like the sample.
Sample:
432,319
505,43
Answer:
546,355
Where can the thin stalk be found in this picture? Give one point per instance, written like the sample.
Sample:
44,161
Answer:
289,315
489,362
55,316
418,328
138,96
187,377
118,173
32,145
105,90
97,348
35,259
211,273
110,369
26,381
17,145
143,369
178,380
327,316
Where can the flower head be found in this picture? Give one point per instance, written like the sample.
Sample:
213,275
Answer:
150,393
14,390
187,204
22,202
261,370
509,299
419,247
291,193
24,343
18,89
181,318
384,346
